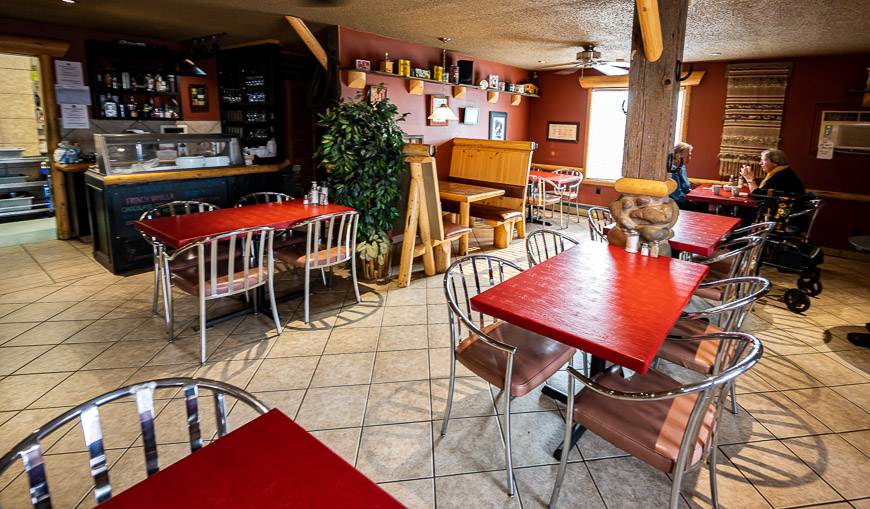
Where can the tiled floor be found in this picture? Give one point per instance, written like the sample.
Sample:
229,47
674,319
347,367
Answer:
369,380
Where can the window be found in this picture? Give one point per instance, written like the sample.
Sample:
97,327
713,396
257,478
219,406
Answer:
606,132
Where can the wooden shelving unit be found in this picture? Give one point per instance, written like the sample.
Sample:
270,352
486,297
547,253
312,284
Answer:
358,79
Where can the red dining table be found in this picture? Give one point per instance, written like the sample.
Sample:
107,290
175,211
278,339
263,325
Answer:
598,298
269,462
705,195
559,179
700,233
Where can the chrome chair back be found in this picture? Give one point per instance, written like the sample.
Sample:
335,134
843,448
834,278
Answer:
173,208
543,244
263,197
739,295
227,264
709,395
598,219
572,192
738,257
30,452
547,192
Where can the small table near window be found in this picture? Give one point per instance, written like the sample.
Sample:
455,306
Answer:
465,194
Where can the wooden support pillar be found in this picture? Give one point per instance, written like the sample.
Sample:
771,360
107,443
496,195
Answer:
52,137
653,92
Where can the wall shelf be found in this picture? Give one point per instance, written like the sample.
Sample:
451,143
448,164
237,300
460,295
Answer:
357,78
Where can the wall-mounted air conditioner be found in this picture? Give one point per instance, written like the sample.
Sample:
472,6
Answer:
844,131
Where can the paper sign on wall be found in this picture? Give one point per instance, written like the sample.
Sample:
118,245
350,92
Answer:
826,150
74,116
73,94
68,73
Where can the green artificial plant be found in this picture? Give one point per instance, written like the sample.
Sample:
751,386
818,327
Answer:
361,149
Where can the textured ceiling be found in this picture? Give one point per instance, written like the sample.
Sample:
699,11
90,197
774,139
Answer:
518,32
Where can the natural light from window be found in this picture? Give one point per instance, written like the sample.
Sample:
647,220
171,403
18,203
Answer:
607,132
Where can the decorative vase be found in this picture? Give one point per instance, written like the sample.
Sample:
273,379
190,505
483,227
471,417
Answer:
374,271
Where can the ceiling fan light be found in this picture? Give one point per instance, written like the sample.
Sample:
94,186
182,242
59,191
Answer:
442,113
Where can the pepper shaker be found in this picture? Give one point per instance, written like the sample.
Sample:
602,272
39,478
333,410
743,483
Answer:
632,242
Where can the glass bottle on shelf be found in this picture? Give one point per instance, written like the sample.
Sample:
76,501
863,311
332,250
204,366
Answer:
110,108
149,82
132,109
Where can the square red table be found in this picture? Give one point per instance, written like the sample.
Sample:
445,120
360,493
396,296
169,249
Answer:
615,305
559,179
269,462
705,195
700,233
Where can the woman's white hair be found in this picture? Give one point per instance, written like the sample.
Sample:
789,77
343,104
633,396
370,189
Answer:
682,148
775,156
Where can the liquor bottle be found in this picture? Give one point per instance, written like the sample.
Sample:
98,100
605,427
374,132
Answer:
147,109
132,109
170,82
110,108
159,84
125,80
149,83
115,83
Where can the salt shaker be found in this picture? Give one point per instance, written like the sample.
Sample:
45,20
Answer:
644,249
654,250
632,242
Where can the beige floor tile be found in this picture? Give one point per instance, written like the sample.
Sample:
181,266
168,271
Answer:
535,485
344,369
300,344
534,401
593,447
353,340
535,436
403,337
439,335
472,444
48,333
396,452
18,427
82,386
821,339
781,415
472,398
398,402
129,469
88,310
333,407
784,373
170,425
781,342
734,490
68,477
14,357
5,309
859,439
360,315
344,442
439,364
826,369
36,312
629,483
73,293
29,295
406,297
283,374
65,358
435,296
108,330
119,423
488,489
243,347
10,330
286,401
19,391
404,315
740,428
417,494
402,365
126,354
833,410
836,461
781,477
437,313
187,349
147,373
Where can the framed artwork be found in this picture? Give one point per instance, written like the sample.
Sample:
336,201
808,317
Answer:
563,131
471,115
414,138
377,93
434,102
198,95
498,125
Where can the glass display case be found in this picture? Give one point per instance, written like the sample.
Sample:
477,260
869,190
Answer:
120,154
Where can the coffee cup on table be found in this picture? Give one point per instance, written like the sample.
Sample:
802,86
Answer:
716,189
735,191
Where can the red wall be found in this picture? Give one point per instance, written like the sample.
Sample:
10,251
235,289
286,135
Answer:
77,37
362,45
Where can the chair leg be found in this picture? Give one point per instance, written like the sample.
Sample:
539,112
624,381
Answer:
675,489
255,299
507,441
323,276
202,345
274,306
157,286
451,387
353,274
169,304
711,465
566,439
733,399
305,300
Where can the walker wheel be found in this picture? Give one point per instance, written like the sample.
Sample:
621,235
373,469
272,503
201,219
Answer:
796,300
811,287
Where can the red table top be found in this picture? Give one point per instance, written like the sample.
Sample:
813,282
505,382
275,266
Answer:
706,195
615,305
269,462
557,178
178,231
700,233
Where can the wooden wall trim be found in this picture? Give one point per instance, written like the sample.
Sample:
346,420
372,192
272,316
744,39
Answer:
622,81
32,46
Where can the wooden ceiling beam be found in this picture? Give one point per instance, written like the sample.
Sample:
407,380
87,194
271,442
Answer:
650,28
32,46
622,81
308,38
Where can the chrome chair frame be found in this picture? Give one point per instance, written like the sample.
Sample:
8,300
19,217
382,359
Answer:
743,252
541,242
158,248
549,192
572,192
710,392
263,197
597,219
30,452
253,254
342,239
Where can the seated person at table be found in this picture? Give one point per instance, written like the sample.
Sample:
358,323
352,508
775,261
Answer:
677,171
778,175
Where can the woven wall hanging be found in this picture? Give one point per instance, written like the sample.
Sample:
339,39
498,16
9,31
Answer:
753,114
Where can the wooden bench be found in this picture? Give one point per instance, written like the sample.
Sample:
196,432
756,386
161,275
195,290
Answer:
499,164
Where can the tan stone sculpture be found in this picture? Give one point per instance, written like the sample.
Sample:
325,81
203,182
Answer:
652,217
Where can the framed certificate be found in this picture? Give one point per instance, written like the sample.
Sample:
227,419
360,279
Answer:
563,131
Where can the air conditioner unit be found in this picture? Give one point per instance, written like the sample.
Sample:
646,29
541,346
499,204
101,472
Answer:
845,131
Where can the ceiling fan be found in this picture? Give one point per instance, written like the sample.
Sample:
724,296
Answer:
589,58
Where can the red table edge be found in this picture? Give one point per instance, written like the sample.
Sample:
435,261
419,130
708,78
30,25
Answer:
719,199
553,333
679,246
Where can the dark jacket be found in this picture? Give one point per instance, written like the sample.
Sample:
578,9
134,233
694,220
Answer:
782,182
678,173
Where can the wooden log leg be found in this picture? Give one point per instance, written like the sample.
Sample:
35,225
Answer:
521,228
442,256
465,220
410,237
501,235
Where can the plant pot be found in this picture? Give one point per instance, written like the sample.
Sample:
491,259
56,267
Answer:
371,270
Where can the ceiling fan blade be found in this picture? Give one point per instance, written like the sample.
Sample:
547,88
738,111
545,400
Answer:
618,63
556,66
567,71
610,70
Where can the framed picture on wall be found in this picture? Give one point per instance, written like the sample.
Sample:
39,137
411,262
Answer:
563,131
198,95
434,102
498,125
377,93
471,115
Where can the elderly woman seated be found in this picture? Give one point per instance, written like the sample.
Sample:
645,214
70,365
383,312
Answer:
778,175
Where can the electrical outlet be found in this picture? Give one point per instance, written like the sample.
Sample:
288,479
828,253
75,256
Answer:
597,190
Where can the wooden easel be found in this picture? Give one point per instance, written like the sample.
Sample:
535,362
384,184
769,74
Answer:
423,219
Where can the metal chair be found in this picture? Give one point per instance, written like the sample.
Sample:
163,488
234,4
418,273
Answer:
509,357
547,193
263,197
330,241
173,208
543,244
599,218
572,192
737,258
29,450
213,277
632,412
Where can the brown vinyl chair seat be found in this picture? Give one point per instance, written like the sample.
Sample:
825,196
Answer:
187,278
189,259
294,254
549,199
453,230
537,357
483,211
649,430
698,356
712,293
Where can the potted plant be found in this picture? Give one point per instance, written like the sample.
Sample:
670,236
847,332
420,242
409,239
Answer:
361,149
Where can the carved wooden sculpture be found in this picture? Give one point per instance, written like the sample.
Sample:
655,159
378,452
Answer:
645,207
